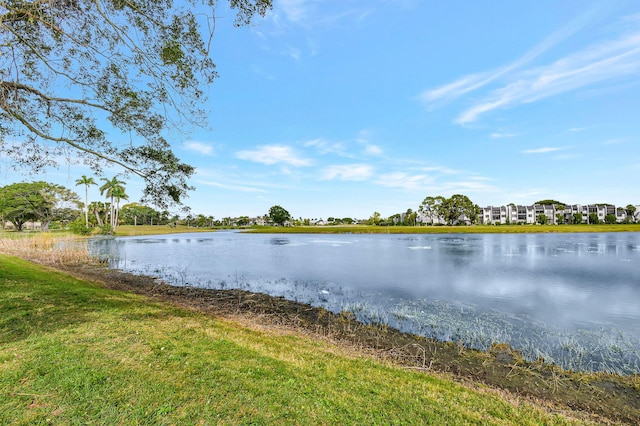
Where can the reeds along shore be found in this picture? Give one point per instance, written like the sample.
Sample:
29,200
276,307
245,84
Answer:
47,248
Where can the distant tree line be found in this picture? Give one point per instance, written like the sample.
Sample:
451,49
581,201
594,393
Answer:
51,205
455,210
460,210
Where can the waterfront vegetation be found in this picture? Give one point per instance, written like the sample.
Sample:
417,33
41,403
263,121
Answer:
47,248
73,352
141,230
131,230
473,229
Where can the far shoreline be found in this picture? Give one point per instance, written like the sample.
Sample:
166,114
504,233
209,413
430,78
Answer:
131,230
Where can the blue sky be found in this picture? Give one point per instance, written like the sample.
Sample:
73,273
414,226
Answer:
343,108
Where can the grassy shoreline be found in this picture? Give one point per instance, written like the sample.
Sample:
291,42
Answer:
143,230
476,229
72,351
130,230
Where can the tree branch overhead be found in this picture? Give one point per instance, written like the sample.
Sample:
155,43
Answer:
79,73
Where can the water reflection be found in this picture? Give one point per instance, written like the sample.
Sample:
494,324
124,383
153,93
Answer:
543,293
279,241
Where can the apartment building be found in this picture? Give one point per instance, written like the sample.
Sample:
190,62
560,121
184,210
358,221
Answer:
555,214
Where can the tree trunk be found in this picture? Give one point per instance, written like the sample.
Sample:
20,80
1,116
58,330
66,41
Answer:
86,206
98,218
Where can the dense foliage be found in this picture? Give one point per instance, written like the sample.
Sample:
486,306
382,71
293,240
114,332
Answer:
451,209
37,202
278,215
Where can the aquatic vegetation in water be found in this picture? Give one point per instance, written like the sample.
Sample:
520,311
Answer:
602,349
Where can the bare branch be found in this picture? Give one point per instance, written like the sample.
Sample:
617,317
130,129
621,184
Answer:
74,144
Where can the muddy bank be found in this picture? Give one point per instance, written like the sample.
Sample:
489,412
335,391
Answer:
604,397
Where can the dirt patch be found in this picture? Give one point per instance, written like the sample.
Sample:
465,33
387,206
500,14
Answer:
604,398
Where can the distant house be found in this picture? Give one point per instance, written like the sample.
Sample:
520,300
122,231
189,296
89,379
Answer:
259,221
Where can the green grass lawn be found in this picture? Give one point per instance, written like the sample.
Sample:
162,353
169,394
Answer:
72,352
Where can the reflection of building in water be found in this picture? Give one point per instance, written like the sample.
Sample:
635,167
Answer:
540,213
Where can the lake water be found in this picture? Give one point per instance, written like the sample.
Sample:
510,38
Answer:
572,299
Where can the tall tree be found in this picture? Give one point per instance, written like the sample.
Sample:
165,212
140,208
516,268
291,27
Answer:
430,209
76,74
375,219
576,219
37,202
86,181
631,212
456,207
99,210
278,215
18,202
112,188
117,194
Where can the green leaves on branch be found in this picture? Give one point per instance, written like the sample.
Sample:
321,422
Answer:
103,81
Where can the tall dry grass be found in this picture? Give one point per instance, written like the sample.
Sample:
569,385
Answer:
47,249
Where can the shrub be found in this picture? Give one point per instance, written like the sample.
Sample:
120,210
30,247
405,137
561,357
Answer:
78,227
106,230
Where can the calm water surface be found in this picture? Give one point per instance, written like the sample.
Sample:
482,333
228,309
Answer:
573,299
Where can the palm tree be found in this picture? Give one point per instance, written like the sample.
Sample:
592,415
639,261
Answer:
113,188
86,181
98,208
118,194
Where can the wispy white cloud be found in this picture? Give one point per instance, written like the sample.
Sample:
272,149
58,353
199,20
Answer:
544,150
199,147
295,10
527,196
371,149
313,17
439,169
470,186
606,61
274,154
364,138
293,52
433,98
315,13
355,172
405,180
232,187
499,135
433,184
472,82
614,141
325,146
562,157
601,62
345,149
